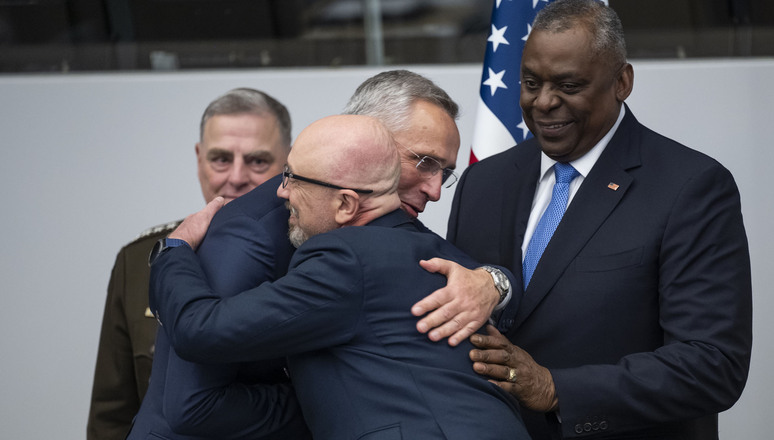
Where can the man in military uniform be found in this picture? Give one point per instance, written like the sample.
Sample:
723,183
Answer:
244,141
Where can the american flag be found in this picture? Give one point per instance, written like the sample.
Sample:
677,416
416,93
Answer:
499,124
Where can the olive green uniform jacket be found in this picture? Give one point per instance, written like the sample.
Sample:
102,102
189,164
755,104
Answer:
126,341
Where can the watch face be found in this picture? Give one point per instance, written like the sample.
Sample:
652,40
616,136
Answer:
503,281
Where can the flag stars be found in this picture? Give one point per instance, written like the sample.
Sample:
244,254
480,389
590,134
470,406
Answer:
495,80
498,37
535,2
524,129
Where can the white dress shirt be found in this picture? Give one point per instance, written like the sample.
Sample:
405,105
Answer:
547,179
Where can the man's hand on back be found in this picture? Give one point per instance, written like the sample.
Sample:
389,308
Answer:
459,309
194,227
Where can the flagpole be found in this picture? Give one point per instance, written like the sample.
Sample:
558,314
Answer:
372,19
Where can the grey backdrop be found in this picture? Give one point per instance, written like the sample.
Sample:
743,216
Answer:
89,161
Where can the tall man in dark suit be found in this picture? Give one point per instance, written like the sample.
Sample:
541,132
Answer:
636,322
341,315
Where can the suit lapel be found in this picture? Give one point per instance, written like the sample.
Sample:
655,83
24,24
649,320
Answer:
600,193
519,186
516,198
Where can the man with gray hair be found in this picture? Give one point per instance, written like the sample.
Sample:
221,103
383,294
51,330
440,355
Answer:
244,140
421,117
636,313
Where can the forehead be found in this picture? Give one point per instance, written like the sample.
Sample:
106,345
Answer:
291,158
431,132
245,127
299,161
558,52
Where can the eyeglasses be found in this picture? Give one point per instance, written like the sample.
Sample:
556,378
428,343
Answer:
286,174
430,166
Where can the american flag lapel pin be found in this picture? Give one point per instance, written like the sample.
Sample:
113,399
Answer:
613,186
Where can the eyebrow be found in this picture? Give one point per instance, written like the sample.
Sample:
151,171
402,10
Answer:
450,166
215,152
258,154
554,78
421,155
261,154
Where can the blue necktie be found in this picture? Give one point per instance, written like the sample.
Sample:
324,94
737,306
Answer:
550,220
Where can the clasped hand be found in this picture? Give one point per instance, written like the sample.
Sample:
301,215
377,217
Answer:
532,385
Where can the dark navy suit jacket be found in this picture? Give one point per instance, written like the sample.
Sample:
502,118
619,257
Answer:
245,245
641,304
342,316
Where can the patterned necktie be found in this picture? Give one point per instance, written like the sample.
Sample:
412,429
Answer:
550,220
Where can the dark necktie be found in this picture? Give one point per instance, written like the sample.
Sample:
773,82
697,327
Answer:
550,220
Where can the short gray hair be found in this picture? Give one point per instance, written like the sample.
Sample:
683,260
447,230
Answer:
389,96
245,100
600,20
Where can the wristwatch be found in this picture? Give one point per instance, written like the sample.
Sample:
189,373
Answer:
501,281
161,246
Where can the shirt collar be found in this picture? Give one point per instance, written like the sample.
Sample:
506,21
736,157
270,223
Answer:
584,163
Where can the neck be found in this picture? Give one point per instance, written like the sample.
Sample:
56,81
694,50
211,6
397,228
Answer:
380,206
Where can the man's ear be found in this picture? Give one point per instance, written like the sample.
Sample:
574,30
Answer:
624,82
347,206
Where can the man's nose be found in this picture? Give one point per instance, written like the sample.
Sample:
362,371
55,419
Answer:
546,99
239,174
432,186
282,192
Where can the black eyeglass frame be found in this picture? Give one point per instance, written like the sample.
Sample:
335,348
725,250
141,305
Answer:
286,174
445,172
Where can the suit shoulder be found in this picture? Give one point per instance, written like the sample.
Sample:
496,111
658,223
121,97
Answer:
671,153
520,153
371,238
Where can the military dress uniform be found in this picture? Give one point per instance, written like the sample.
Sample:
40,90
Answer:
126,341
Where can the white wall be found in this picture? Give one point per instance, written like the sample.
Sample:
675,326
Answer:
88,161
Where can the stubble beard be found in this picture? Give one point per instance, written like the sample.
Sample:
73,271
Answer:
296,235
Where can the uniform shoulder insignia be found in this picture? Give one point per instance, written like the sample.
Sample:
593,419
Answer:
163,228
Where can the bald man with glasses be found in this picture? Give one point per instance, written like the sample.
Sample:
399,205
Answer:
247,244
340,315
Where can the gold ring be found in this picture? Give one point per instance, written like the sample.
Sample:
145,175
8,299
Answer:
511,375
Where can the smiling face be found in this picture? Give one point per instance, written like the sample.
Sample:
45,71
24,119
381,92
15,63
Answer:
237,153
431,132
570,96
343,170
312,207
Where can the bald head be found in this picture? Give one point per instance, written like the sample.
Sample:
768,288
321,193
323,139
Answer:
343,171
351,151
